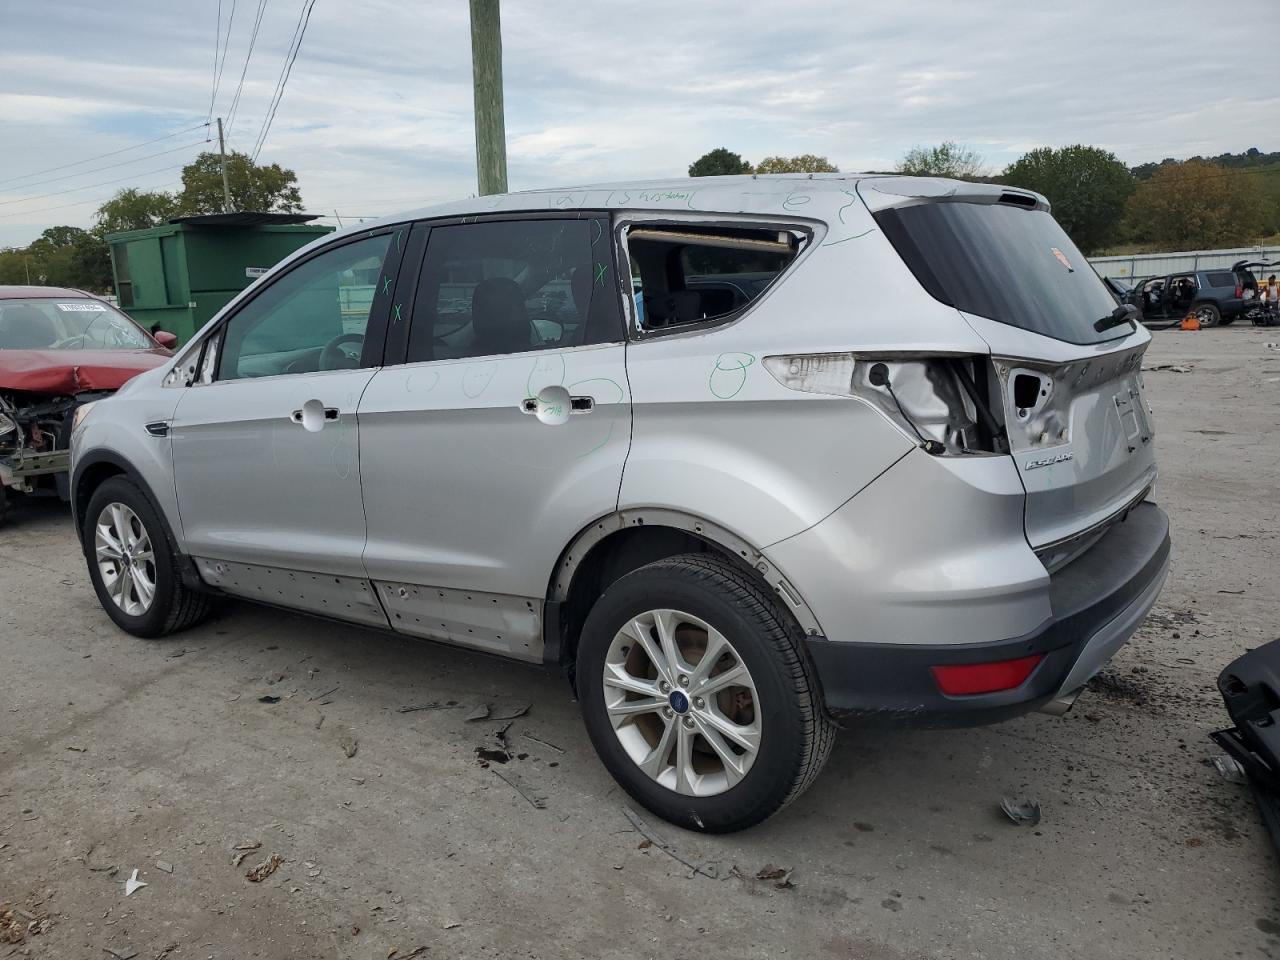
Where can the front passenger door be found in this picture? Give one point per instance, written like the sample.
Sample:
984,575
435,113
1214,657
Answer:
266,453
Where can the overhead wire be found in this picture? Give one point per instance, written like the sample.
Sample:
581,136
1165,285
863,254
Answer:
112,166
226,45
87,186
79,203
217,37
253,38
110,153
266,127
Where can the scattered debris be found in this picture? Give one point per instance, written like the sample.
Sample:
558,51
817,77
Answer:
164,865
544,743
480,712
1234,593
77,749
232,699
239,858
247,845
518,783
706,868
1229,769
1171,367
450,925
17,924
266,868
320,721
780,875
273,678
268,698
349,744
433,705
511,711
1022,811
320,696
124,953
133,883
495,748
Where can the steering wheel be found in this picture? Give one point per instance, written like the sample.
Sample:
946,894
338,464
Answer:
333,356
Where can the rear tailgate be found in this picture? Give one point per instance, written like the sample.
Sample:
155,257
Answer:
1078,426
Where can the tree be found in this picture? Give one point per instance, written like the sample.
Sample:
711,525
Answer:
804,163
60,257
134,209
717,163
947,159
260,189
1087,187
1195,205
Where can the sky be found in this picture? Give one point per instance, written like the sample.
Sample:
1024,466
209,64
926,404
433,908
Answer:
376,116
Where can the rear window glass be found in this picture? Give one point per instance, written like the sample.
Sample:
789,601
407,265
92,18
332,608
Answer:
1221,279
684,275
1006,263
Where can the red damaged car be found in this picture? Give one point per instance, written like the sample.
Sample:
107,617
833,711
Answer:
59,349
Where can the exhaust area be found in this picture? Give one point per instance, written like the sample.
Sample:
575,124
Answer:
1058,706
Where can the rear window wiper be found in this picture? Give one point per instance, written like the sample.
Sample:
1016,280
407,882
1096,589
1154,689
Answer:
1121,314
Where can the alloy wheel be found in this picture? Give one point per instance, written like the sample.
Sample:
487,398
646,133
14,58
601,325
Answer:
126,561
682,703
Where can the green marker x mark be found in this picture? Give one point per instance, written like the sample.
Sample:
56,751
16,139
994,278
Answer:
386,284
396,316
600,269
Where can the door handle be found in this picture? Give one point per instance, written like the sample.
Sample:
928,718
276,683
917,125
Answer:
313,415
553,405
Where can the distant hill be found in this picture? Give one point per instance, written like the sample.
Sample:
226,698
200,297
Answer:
1253,157
1263,168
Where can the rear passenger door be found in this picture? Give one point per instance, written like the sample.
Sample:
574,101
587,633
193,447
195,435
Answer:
502,430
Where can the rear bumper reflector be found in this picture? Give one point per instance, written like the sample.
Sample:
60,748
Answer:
969,678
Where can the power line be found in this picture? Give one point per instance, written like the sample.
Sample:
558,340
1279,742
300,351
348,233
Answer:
253,37
288,53
266,129
217,36
112,153
79,203
110,166
87,186
226,45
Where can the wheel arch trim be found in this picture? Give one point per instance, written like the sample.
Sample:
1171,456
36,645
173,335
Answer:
708,531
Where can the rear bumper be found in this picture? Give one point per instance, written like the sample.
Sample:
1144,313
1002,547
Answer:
1097,602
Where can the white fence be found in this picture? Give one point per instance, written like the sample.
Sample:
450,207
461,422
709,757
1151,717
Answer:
1162,264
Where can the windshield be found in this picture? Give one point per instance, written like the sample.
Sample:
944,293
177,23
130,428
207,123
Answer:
71,323
1003,262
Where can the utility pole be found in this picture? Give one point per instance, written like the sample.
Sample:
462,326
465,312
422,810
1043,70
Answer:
226,189
486,76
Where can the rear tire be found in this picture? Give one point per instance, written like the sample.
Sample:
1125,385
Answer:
133,563
770,718
1207,313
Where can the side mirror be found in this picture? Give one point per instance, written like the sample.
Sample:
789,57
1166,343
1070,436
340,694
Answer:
166,339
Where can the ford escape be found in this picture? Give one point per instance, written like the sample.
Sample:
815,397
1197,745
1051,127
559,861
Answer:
644,433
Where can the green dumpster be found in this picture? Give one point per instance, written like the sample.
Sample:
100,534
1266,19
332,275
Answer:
176,276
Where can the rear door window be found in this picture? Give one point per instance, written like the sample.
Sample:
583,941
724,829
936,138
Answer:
1007,263
511,286
1221,279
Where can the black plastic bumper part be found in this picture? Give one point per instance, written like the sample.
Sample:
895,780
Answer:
887,682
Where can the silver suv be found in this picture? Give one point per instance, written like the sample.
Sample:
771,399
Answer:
745,457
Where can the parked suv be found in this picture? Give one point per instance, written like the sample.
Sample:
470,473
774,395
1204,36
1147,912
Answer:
735,511
1212,296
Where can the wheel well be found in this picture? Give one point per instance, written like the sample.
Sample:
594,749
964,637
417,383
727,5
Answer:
613,558
89,480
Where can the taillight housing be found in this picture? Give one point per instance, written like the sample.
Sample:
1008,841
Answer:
924,397
967,679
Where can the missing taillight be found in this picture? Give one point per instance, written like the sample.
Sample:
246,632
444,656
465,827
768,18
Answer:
936,402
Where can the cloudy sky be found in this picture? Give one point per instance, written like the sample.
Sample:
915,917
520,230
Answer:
376,116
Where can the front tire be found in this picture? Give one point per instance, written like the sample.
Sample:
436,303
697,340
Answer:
133,563
698,695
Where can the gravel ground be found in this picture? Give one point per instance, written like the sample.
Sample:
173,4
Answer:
119,754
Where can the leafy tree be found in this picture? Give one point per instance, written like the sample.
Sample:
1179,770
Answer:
260,189
1087,187
719,162
947,159
134,209
1195,205
804,163
60,257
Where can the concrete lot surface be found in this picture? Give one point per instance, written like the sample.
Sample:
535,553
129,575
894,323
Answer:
119,754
